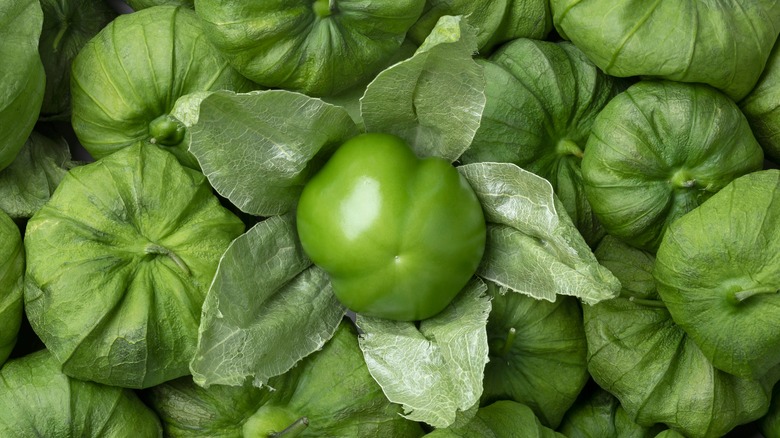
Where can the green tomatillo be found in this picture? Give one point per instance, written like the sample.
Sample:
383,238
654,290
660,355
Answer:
399,236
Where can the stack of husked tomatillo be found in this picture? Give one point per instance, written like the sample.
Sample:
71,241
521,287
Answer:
363,218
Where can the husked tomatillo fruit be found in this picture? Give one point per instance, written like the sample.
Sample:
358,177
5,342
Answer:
399,236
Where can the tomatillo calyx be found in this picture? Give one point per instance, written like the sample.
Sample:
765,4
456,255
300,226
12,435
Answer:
398,235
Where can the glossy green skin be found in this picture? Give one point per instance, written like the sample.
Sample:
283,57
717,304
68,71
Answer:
306,46
657,151
399,236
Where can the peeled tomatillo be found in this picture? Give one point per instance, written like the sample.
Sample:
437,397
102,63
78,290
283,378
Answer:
398,235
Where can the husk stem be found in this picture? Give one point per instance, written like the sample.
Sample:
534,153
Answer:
292,430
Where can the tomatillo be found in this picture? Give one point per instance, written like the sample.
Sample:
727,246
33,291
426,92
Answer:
398,235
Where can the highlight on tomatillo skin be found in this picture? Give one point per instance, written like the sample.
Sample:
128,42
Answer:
398,235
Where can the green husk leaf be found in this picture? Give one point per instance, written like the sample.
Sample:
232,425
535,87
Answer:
28,183
38,399
330,388
67,26
762,107
528,338
533,247
434,100
117,95
259,149
119,261
267,308
638,353
722,286
599,414
496,21
11,284
23,78
434,370
502,419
